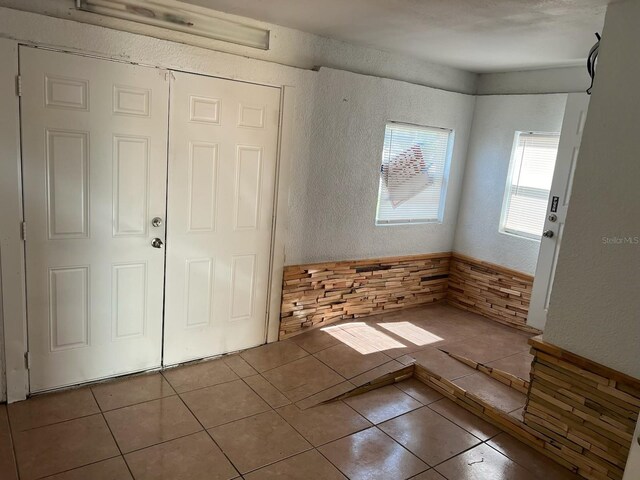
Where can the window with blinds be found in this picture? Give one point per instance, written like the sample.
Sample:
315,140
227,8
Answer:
529,182
413,174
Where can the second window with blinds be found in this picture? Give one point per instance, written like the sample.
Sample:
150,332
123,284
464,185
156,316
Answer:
528,184
413,174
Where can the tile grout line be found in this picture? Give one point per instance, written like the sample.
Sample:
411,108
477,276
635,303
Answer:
308,396
376,426
226,422
402,446
82,466
206,431
316,447
111,433
13,443
264,399
59,422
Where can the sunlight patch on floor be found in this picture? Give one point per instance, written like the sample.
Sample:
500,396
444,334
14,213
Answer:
412,333
363,338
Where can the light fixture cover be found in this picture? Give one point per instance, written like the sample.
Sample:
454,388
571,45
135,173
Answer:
180,17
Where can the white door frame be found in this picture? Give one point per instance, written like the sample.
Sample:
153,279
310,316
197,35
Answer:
13,316
555,214
11,246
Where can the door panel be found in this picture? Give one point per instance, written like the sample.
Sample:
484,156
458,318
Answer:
570,138
94,135
222,171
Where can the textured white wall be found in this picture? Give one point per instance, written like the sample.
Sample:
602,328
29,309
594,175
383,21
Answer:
333,199
495,122
287,47
549,80
594,309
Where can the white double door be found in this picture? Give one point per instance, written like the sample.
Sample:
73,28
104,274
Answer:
102,158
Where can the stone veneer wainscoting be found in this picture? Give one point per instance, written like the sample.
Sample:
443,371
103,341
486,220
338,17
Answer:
582,411
316,295
490,290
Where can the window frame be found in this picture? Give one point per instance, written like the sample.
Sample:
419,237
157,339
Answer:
506,199
445,176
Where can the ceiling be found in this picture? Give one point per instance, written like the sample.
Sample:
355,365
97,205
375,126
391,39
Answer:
475,35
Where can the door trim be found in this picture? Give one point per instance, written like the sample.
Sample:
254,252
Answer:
12,257
12,282
280,211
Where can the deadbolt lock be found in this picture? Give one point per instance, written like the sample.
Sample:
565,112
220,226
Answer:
553,217
156,222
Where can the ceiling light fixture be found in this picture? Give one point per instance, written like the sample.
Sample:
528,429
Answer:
181,18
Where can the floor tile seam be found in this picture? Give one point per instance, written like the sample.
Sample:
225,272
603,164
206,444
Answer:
231,421
460,426
165,441
58,422
281,365
343,379
417,399
175,394
224,453
113,437
207,433
357,374
318,351
270,383
515,461
484,363
311,447
124,454
264,399
110,382
511,389
458,454
367,371
82,466
331,368
327,400
205,386
330,441
13,444
402,446
316,393
376,427
329,460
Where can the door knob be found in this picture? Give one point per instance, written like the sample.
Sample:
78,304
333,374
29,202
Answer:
156,243
546,234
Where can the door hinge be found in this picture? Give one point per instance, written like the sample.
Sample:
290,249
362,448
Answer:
27,360
19,85
23,231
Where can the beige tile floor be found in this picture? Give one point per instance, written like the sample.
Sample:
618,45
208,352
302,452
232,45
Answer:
255,415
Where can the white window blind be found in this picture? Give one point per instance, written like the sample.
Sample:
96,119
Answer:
415,162
529,183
